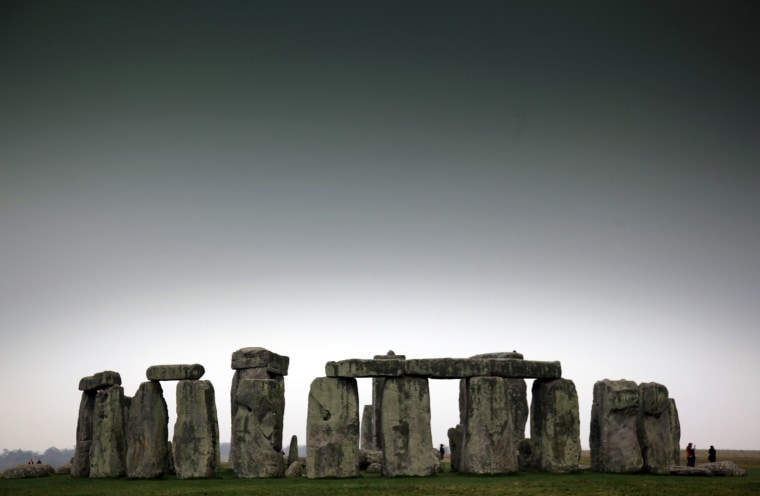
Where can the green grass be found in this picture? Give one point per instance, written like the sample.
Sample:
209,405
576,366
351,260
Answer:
523,484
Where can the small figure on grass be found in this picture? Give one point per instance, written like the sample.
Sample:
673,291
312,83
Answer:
711,454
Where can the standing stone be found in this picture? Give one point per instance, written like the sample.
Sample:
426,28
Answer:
367,429
488,446
196,431
675,432
80,466
293,450
254,363
456,436
517,398
517,401
517,394
378,383
147,433
654,428
555,426
613,438
109,449
406,438
257,429
332,428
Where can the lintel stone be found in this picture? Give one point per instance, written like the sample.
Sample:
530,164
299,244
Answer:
357,367
516,368
175,372
252,358
447,368
101,380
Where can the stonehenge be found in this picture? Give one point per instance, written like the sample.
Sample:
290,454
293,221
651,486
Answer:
257,399
634,427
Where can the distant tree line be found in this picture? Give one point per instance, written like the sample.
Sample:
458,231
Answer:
52,456
57,457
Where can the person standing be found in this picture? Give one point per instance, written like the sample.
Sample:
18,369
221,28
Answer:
441,451
691,456
711,454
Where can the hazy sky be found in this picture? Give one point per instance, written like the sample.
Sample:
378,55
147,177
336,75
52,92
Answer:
577,181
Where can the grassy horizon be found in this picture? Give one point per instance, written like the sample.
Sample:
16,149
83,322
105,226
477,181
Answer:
583,483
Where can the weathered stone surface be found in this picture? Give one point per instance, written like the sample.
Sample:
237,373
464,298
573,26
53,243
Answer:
293,450
257,429
525,459
517,368
438,468
176,372
653,427
170,458
675,432
101,380
64,469
239,375
80,466
294,470
375,468
378,383
555,426
332,428
406,438
367,429
693,471
724,469
500,354
613,438
488,446
456,436
196,431
254,357
27,471
358,367
108,450
368,457
517,399
446,368
147,433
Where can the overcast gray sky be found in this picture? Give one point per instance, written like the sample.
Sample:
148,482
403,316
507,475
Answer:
331,180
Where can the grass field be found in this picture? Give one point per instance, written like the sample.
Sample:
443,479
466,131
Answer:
447,483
